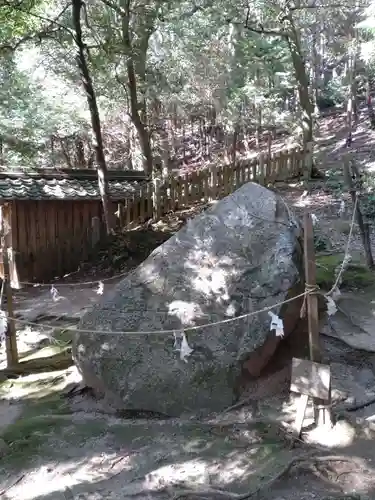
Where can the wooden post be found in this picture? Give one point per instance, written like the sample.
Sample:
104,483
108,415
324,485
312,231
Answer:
262,175
351,171
269,145
311,299
10,335
214,188
322,408
156,202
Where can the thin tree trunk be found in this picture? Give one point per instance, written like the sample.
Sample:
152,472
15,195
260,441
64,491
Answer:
307,119
143,135
354,81
258,113
137,109
94,113
316,71
349,107
302,86
371,113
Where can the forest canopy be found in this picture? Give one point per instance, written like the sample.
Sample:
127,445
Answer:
172,79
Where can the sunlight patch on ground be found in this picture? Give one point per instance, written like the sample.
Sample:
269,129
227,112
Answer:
36,384
54,477
342,434
84,476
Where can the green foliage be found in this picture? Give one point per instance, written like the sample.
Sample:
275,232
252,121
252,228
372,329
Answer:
189,58
332,94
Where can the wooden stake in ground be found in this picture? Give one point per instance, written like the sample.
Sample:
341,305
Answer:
351,172
311,299
322,413
10,335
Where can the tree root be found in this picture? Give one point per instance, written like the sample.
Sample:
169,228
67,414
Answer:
240,404
359,406
237,496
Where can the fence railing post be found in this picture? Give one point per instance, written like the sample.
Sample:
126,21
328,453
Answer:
213,182
156,208
159,196
262,176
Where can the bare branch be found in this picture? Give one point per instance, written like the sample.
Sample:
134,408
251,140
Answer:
112,5
259,28
123,85
85,15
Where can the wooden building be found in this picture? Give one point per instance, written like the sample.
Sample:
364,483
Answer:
53,219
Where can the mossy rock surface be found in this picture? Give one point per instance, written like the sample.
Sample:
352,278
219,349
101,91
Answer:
356,275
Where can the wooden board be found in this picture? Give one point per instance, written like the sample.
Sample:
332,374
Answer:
310,378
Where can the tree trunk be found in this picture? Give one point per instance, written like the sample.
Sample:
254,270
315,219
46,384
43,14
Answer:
371,113
307,119
258,113
135,62
94,113
316,71
140,125
350,78
302,84
354,81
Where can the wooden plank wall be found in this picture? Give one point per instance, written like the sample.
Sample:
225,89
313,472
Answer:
51,238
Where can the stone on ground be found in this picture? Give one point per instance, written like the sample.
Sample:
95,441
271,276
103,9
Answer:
241,255
354,323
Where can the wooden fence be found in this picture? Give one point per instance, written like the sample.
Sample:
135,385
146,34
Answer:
159,197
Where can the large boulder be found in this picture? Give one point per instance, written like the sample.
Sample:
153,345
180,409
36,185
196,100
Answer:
241,255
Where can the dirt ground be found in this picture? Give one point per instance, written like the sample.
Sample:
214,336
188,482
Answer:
61,445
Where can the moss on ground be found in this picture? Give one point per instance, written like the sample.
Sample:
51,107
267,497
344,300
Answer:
27,438
47,436
43,421
356,275
44,414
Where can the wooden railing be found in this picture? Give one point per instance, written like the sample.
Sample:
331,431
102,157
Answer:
156,198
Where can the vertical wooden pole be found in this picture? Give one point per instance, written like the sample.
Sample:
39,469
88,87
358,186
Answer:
10,336
262,174
269,145
311,299
322,408
156,198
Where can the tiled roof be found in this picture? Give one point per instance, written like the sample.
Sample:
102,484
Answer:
42,187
